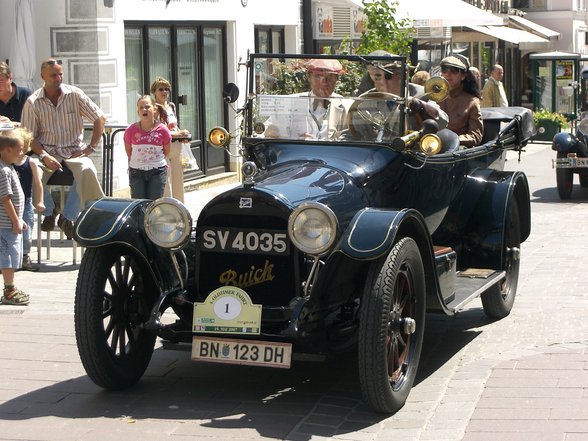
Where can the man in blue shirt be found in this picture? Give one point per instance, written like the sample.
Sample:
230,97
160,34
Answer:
12,97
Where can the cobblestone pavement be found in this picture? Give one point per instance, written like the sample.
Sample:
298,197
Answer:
521,378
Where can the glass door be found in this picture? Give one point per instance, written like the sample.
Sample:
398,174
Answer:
186,92
214,107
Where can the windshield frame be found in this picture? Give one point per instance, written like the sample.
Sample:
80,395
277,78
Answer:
258,66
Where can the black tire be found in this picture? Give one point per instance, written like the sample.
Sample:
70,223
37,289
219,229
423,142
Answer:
583,180
565,181
112,299
388,353
499,299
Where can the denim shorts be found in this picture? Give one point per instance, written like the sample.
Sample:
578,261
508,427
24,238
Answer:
10,249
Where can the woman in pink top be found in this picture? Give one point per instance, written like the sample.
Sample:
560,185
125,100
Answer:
147,144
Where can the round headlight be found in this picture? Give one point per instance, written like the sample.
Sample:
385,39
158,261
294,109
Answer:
312,228
431,144
168,223
219,137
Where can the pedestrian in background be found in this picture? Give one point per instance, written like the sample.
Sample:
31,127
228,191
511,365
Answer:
12,97
477,75
29,175
420,77
174,187
493,94
147,143
11,217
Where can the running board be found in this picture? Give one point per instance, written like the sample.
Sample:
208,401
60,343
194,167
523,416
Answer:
471,284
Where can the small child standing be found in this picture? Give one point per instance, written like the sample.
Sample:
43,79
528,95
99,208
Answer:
29,175
147,144
11,221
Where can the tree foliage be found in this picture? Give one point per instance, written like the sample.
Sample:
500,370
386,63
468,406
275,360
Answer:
383,30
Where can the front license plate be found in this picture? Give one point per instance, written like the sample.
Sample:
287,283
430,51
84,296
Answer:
233,351
571,162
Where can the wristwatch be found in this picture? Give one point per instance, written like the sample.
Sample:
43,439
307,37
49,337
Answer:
43,156
91,147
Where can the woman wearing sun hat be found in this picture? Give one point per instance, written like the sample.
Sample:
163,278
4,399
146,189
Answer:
463,103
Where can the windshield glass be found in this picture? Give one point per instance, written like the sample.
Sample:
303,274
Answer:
328,99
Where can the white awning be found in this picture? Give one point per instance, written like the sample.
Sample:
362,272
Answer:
511,35
446,13
534,27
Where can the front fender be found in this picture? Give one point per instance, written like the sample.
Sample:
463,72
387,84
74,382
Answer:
373,232
564,143
103,220
110,221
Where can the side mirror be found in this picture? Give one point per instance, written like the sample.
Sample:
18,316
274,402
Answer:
230,93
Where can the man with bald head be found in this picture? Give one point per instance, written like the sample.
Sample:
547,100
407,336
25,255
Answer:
493,94
55,115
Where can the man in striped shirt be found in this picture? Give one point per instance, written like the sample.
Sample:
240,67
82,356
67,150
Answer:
55,115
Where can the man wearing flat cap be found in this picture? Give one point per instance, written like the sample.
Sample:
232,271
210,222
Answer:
326,112
463,103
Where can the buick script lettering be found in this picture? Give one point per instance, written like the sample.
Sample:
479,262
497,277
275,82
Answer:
254,276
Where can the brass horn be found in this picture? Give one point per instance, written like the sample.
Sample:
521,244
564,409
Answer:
437,89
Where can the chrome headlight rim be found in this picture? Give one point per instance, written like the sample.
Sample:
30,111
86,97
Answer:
183,215
331,218
430,144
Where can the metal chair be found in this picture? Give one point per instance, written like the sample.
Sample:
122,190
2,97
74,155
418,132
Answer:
62,178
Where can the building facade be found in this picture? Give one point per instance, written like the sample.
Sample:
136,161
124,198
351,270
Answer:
114,49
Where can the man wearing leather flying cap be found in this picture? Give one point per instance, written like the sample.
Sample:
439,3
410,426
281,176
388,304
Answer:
387,79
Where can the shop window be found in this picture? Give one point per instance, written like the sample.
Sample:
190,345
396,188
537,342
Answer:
192,57
269,40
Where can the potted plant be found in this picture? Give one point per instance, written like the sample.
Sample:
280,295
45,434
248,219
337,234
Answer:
548,124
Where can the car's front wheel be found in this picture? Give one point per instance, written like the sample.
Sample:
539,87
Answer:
391,329
112,300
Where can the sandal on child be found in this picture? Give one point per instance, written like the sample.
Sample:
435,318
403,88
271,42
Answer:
15,297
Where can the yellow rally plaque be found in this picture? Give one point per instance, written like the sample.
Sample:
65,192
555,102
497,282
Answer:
227,310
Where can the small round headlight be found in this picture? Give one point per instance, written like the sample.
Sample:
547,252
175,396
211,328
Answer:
312,227
168,223
431,144
219,137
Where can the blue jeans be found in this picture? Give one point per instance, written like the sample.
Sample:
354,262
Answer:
147,184
29,217
71,207
10,249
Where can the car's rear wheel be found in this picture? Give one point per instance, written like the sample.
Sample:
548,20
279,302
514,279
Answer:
392,323
112,300
565,180
499,299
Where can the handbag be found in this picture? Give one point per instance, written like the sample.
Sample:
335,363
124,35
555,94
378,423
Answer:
187,157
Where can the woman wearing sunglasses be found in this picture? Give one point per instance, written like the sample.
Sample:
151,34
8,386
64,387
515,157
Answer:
160,88
463,103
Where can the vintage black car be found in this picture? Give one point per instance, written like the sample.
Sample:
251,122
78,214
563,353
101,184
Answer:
571,157
328,245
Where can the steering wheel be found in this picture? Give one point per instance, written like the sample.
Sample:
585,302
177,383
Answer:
361,108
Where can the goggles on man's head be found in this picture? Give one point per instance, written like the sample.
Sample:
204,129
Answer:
453,70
